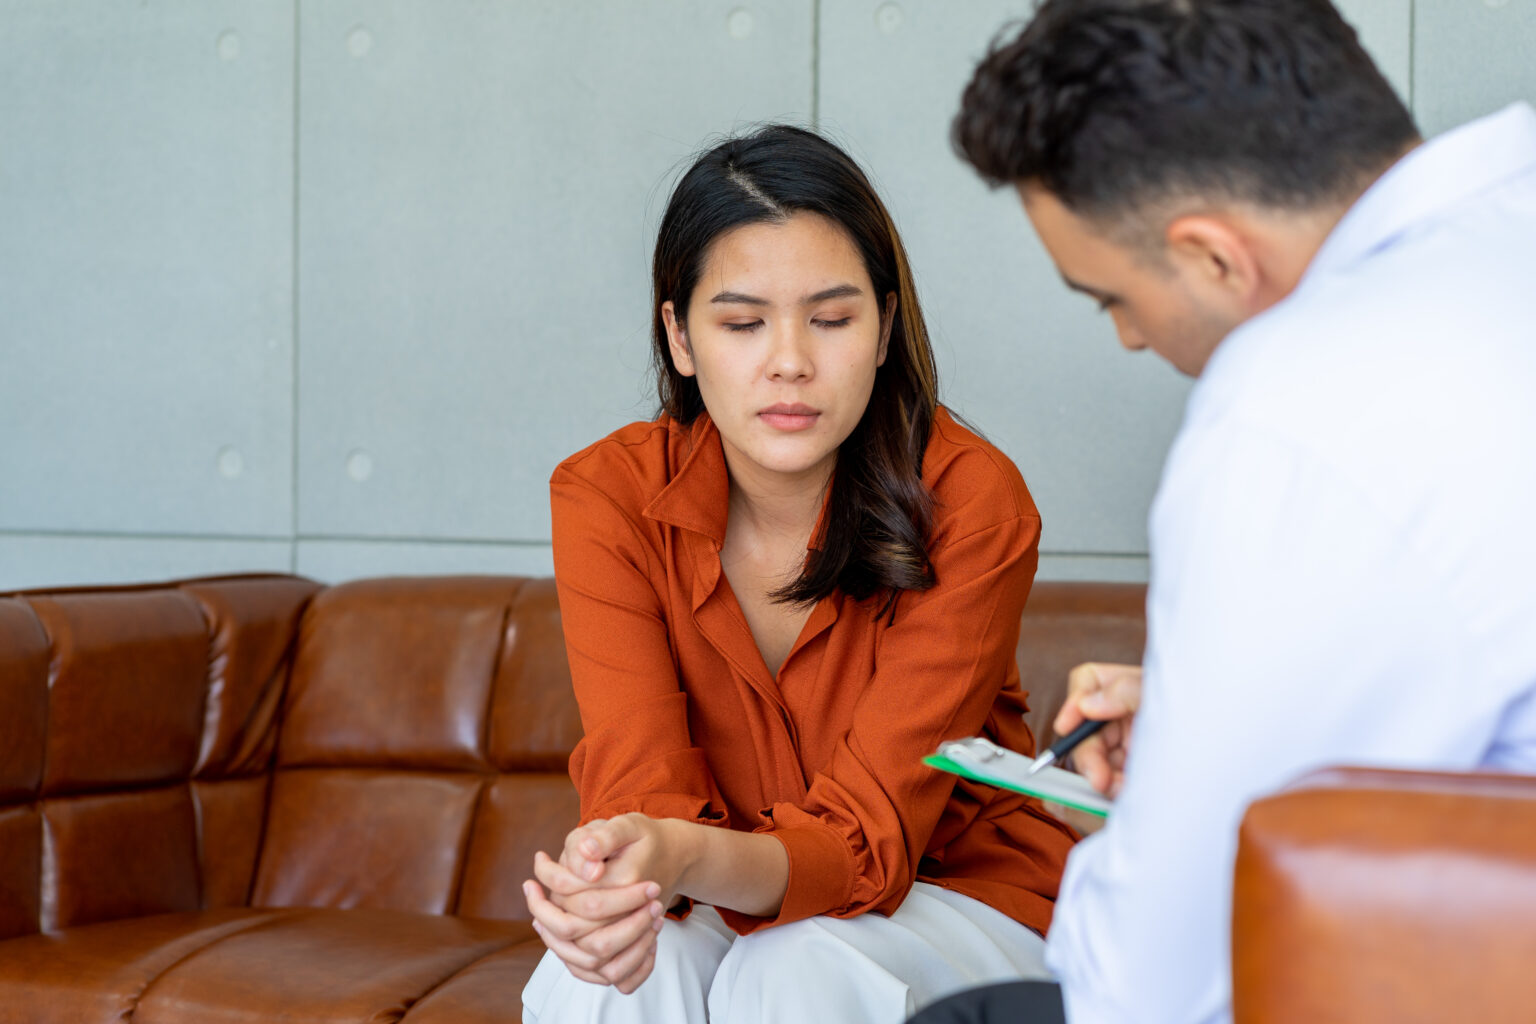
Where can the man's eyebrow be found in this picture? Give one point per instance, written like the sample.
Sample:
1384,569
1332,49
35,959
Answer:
1077,286
840,291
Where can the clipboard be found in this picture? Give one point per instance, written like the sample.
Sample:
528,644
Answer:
981,760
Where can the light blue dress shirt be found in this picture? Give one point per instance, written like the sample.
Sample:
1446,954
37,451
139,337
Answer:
1343,555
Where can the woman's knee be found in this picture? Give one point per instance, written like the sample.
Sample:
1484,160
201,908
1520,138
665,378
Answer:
806,955
775,949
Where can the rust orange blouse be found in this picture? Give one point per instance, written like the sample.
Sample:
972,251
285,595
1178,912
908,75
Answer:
683,720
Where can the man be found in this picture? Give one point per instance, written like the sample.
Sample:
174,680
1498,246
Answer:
1343,546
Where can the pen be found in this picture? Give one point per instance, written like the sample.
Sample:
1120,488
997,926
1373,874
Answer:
1062,747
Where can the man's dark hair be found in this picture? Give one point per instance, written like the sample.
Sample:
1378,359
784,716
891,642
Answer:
1115,105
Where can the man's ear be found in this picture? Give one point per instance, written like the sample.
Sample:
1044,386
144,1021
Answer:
1215,255
887,322
677,339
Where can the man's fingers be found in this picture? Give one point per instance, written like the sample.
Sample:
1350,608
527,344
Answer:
1116,758
1079,681
1101,691
1101,758
1083,678
1119,696
1093,765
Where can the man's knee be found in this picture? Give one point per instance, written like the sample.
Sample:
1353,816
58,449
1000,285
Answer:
1014,1002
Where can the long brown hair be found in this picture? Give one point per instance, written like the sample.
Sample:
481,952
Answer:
875,535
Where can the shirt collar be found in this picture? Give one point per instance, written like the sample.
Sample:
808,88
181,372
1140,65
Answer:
698,496
1432,179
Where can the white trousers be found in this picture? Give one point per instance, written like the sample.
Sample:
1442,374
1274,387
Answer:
870,968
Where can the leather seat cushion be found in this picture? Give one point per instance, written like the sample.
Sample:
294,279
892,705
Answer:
244,965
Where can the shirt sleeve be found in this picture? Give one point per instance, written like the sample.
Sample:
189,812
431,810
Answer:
1289,627
636,754
855,841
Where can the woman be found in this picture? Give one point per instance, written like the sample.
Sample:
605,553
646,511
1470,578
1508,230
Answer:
777,598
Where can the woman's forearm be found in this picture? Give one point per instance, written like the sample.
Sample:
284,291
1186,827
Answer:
743,871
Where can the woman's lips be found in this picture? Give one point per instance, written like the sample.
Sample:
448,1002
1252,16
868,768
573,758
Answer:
789,417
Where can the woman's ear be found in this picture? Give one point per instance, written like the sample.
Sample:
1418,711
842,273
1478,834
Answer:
887,322
677,339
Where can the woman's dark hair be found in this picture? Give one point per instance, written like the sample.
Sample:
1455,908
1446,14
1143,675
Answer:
1112,105
875,534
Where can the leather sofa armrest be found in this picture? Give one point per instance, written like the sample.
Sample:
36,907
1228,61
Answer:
1368,895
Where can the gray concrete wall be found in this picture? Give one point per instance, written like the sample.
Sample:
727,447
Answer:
332,286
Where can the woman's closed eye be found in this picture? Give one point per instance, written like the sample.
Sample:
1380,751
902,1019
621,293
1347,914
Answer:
746,327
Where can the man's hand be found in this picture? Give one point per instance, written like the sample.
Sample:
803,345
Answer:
605,935
1110,693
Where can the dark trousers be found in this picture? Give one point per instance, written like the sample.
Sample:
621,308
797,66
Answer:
1013,1002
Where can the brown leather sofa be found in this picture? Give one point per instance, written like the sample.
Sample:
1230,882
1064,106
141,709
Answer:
255,798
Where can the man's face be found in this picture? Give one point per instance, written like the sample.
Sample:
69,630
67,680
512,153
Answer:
1155,302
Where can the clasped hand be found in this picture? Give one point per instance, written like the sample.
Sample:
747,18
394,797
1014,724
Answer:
599,907
1107,692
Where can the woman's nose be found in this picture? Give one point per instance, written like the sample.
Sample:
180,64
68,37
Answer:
789,356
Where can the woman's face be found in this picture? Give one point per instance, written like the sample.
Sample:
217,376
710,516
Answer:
783,334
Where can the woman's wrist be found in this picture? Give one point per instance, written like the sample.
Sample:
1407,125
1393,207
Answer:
683,845
745,871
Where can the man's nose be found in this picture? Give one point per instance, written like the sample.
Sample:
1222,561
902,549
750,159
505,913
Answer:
1130,338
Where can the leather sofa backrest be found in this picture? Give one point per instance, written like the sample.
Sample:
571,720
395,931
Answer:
424,746
429,723
135,729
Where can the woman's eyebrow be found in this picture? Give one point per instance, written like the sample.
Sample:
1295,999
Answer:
737,298
840,291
